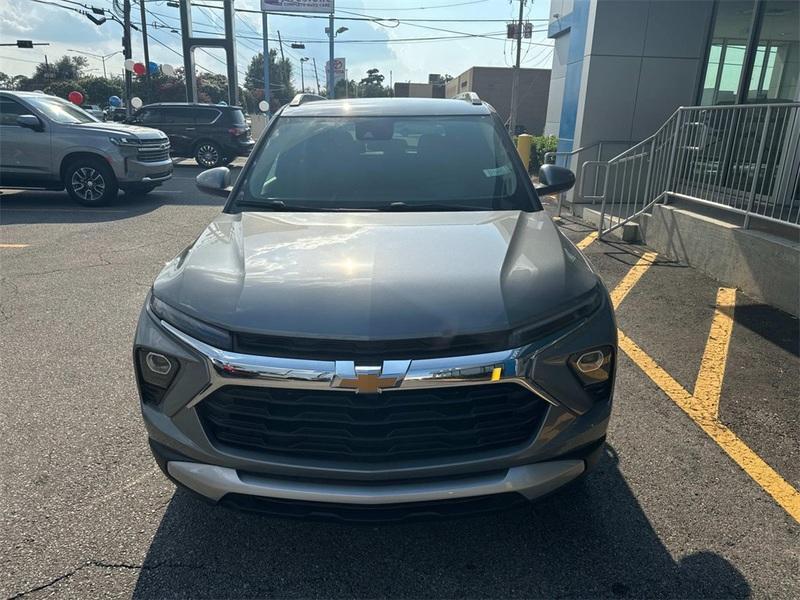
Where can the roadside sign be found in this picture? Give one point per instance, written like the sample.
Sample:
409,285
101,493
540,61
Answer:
339,69
317,6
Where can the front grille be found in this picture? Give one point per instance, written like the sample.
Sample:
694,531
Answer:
399,425
153,151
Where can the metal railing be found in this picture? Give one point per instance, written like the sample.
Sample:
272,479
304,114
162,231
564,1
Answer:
743,158
550,158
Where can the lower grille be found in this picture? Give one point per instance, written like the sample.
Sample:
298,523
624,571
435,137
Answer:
371,428
380,513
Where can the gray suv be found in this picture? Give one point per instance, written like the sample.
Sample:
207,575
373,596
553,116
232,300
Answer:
47,142
382,323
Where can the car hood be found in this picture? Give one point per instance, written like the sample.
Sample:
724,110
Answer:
371,276
143,133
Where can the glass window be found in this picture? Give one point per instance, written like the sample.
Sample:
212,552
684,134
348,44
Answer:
149,115
726,55
60,110
10,110
201,116
345,163
176,115
777,58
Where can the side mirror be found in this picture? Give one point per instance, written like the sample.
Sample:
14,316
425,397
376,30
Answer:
554,179
30,122
215,181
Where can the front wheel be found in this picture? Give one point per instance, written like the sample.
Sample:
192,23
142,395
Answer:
90,182
208,155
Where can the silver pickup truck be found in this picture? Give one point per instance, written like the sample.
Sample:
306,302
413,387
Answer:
47,142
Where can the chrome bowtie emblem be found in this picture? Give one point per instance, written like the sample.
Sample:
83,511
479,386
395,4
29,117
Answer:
369,380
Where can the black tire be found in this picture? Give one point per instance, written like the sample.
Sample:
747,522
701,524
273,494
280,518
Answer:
90,182
208,155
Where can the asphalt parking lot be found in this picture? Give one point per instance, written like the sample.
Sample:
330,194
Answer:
696,497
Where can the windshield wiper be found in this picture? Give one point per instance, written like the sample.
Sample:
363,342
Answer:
428,206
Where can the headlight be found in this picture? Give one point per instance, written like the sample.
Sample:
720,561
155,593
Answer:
121,140
214,336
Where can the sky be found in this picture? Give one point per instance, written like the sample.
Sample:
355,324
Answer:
70,33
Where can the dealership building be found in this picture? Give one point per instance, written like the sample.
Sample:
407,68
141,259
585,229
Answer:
673,110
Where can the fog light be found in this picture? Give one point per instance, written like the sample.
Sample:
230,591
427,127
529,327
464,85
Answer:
591,361
593,366
158,363
155,372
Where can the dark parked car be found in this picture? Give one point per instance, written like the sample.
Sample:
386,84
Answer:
382,323
211,134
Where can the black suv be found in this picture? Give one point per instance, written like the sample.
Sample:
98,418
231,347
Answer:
211,134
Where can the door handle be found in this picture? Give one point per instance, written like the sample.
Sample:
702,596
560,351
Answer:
190,128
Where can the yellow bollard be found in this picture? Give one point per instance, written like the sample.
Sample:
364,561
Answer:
524,143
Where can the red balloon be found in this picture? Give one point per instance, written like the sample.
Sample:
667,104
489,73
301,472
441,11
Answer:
139,68
75,98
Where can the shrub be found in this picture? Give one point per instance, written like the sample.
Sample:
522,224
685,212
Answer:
542,144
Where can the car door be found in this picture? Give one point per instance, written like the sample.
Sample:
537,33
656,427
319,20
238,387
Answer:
25,154
180,127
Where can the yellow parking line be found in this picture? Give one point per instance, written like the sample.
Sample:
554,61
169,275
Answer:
708,387
14,245
765,476
632,277
584,243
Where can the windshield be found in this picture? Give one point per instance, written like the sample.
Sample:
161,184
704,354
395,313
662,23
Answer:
60,110
384,163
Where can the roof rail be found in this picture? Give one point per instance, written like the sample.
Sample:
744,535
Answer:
468,97
303,98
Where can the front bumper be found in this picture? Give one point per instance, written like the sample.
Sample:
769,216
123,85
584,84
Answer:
145,173
531,481
555,453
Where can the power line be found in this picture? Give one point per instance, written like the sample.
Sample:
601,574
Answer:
422,7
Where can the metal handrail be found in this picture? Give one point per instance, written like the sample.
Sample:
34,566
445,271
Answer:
744,159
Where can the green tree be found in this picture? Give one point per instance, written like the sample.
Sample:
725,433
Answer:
66,67
99,89
280,77
64,87
372,85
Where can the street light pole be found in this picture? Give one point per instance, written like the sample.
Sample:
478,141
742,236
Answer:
316,74
100,56
265,36
331,90
303,74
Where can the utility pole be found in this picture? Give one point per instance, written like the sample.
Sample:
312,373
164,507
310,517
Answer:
331,86
127,51
148,87
515,80
265,35
316,74
282,70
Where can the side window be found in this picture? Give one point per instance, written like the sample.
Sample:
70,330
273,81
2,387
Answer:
10,110
150,115
177,116
205,116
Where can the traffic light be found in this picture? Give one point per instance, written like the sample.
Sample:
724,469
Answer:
24,43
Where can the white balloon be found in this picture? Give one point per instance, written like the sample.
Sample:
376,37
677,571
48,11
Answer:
136,102
168,70
129,64
263,106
